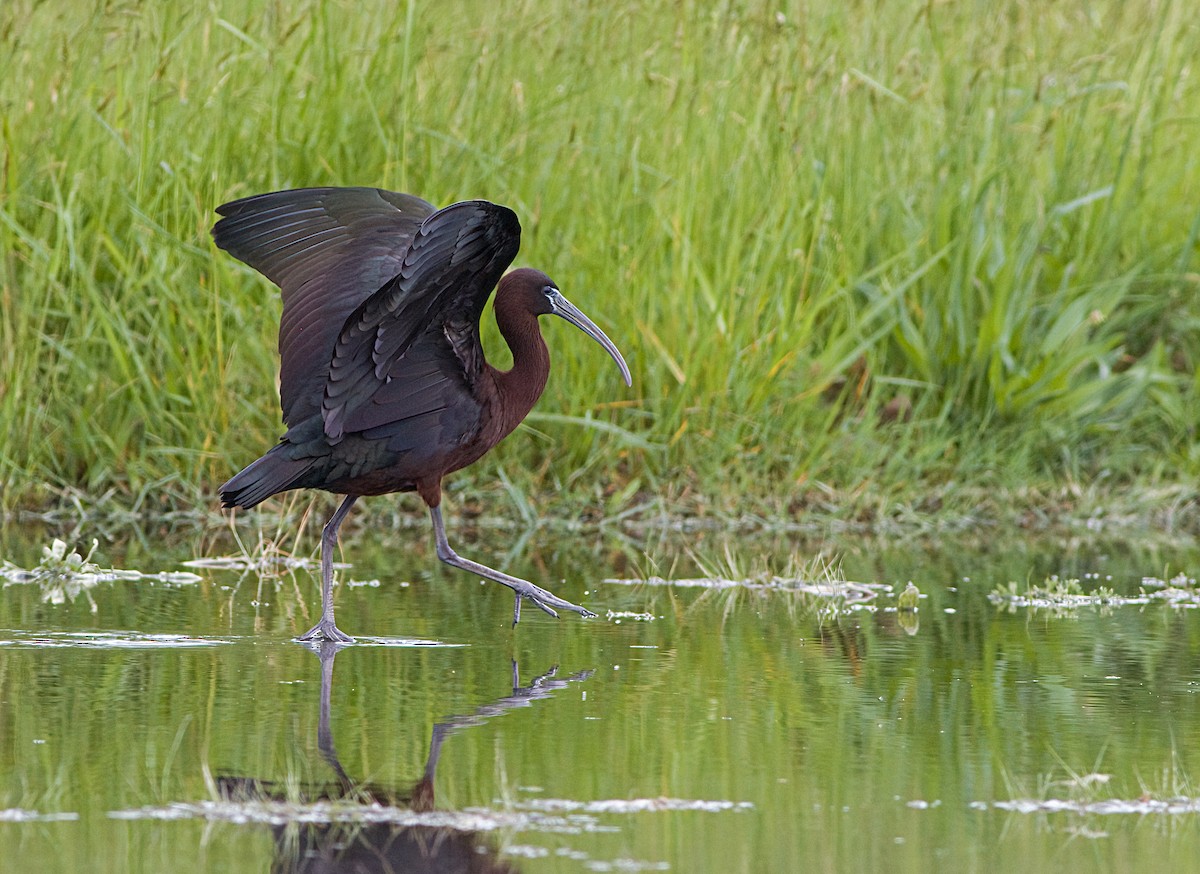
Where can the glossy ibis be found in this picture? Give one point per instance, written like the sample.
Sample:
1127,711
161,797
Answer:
383,382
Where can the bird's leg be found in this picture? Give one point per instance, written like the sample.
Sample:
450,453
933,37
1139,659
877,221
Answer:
326,629
524,589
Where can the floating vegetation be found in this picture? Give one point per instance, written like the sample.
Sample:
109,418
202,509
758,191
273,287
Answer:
17,814
1107,806
818,580
546,815
846,590
1055,594
922,804
633,805
1063,595
266,563
1085,793
283,812
108,640
64,576
619,615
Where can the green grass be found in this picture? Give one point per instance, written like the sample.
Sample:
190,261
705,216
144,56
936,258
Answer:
787,216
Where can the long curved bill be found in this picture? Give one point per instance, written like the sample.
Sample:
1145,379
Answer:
572,313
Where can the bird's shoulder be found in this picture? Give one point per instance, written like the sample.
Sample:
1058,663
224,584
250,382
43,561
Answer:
421,329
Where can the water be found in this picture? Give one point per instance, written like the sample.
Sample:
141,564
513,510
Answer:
151,725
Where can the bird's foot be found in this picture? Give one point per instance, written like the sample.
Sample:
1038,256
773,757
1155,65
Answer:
323,649
545,601
325,630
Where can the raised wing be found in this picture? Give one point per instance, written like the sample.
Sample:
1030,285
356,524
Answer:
412,348
328,249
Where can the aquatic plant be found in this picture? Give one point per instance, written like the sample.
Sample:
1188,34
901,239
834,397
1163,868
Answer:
65,575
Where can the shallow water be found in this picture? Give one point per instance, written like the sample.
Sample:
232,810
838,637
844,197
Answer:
149,725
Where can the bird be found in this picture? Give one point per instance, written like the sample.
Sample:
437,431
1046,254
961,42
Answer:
383,383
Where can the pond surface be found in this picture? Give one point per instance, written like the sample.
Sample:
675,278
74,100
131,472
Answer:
151,725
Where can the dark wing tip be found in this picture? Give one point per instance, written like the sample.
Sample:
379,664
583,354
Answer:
256,202
351,203
328,249
265,200
279,232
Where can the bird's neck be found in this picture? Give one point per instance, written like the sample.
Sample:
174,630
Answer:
522,384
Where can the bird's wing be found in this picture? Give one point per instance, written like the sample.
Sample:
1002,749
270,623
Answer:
412,349
328,249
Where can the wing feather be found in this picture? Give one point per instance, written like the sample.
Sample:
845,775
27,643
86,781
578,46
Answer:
328,249
396,337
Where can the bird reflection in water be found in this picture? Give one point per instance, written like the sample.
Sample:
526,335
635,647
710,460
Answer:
365,847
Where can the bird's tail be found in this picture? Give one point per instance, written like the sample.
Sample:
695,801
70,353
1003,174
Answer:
269,475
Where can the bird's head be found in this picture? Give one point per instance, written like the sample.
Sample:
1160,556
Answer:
541,296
